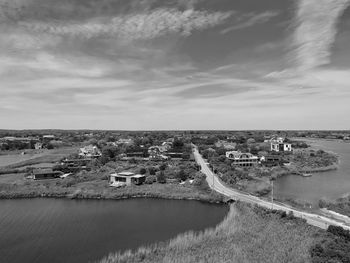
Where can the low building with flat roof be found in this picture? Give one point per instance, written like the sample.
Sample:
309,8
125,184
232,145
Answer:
42,174
126,179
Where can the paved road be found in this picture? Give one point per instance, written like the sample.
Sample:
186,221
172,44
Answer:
216,184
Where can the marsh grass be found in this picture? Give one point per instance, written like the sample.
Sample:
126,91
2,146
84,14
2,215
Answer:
248,234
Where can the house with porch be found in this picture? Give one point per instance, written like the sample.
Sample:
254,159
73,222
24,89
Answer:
242,159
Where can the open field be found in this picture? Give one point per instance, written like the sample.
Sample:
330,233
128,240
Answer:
34,157
248,234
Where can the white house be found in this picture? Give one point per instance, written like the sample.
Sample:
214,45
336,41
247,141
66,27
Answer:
90,151
38,146
242,159
126,179
124,141
278,145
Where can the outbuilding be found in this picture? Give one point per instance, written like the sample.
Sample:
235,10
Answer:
42,174
126,179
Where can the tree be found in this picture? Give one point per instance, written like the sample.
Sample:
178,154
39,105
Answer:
182,175
151,171
163,166
178,144
110,152
161,177
143,170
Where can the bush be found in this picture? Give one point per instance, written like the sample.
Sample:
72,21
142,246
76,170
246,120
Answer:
182,175
151,179
151,171
339,231
163,166
161,178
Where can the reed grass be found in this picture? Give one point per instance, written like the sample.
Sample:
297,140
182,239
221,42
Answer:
248,234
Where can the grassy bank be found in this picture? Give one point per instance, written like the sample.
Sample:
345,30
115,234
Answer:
340,205
15,186
248,234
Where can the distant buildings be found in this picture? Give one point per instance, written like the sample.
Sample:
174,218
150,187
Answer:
226,145
156,153
242,159
278,145
90,152
124,141
49,137
41,174
126,179
38,146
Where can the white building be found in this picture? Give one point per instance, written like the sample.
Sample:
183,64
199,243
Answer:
242,159
90,152
124,141
278,145
126,179
38,146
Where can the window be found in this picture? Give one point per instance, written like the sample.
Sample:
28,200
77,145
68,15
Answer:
120,179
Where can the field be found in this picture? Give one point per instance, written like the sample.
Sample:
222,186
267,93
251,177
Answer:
34,157
248,234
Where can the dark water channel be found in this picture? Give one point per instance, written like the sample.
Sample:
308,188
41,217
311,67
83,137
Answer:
58,230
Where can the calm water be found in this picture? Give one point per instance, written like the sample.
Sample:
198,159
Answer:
55,230
331,185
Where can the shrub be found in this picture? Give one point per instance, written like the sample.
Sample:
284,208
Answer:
161,178
182,175
163,166
339,231
151,171
151,179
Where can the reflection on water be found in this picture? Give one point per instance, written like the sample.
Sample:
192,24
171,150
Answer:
331,184
52,230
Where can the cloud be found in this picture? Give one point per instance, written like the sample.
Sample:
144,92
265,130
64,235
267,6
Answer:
131,27
211,91
316,29
251,20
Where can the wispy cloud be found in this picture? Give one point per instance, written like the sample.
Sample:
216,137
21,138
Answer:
130,27
316,29
251,19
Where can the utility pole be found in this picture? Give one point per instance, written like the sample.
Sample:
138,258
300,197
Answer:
272,193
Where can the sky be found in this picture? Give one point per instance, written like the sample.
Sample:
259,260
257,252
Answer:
175,64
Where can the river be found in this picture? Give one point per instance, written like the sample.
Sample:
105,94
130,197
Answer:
64,231
328,185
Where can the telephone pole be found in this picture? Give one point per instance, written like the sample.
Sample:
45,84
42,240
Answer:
272,194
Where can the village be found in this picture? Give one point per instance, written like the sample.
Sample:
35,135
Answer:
242,160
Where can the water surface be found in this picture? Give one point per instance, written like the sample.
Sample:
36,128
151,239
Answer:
330,185
59,230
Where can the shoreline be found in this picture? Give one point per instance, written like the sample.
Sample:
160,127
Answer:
157,191
80,197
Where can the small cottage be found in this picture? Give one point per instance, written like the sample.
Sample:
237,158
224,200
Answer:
126,179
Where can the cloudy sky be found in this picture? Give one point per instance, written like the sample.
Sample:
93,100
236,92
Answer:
175,64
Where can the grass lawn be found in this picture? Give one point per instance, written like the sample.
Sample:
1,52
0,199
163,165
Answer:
35,157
